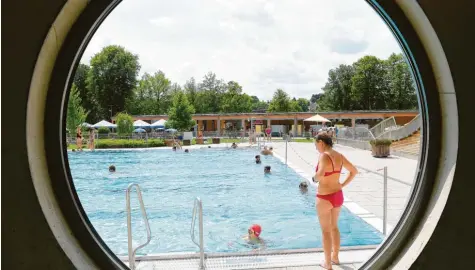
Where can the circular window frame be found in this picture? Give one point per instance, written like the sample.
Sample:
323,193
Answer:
46,118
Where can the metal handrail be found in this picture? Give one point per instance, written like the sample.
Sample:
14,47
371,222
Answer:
129,223
198,208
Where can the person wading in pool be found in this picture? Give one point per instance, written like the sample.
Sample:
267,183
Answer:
253,235
330,195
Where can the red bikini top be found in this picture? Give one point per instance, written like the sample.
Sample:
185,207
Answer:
333,167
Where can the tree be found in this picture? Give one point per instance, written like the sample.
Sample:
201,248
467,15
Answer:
280,102
151,96
211,90
112,78
180,113
304,104
369,86
338,89
87,99
191,90
402,91
234,101
257,105
76,114
125,124
315,97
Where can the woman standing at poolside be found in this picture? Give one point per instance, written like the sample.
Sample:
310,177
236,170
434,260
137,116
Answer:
330,195
92,138
79,138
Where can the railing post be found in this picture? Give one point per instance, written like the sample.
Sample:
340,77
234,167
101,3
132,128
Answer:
385,200
202,250
286,141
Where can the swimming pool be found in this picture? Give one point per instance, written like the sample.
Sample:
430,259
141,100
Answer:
234,191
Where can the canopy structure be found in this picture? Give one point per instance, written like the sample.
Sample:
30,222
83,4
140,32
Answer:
141,124
317,118
85,124
104,123
159,124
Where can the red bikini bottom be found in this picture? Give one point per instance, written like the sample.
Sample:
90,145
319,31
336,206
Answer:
336,199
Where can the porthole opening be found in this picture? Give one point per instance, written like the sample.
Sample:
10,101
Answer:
290,141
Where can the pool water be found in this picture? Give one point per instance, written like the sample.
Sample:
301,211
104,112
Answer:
234,191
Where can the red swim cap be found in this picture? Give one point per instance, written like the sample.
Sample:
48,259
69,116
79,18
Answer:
256,228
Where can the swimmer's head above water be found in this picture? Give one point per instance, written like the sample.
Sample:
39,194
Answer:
111,168
186,150
258,159
254,231
174,148
267,169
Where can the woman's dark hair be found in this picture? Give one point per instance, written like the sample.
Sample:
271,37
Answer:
325,138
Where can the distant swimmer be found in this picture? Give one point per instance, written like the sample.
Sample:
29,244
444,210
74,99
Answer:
234,145
174,148
258,159
267,169
187,151
111,168
303,186
267,151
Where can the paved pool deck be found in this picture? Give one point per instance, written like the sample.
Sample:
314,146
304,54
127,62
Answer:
364,195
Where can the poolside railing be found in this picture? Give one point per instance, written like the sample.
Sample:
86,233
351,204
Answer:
132,251
198,210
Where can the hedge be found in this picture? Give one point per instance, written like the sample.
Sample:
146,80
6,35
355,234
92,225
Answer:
122,143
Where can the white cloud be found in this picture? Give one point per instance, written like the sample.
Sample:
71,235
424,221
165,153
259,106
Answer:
263,45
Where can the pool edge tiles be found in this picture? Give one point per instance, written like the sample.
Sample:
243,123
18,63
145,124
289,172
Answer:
275,260
354,208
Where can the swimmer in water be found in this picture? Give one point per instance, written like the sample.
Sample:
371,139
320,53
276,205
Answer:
258,159
111,168
303,187
187,151
234,145
174,148
267,169
253,235
266,151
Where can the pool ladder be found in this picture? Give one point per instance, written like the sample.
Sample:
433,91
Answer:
129,223
198,210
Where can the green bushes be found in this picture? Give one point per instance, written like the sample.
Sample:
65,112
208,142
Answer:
378,142
122,143
103,130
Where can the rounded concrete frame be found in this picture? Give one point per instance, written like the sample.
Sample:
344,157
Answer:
71,236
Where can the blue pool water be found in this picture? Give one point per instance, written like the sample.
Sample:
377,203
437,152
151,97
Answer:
234,191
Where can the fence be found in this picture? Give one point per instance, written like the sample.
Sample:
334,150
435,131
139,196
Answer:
356,133
404,131
383,126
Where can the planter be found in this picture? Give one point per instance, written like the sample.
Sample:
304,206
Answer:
186,142
216,140
380,150
200,141
381,147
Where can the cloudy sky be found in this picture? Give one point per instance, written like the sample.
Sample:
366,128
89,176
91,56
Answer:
263,45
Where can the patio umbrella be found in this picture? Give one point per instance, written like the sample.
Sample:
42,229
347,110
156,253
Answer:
104,123
141,124
317,118
171,130
86,125
159,124
139,130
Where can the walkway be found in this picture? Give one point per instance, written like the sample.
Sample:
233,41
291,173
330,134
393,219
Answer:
365,194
